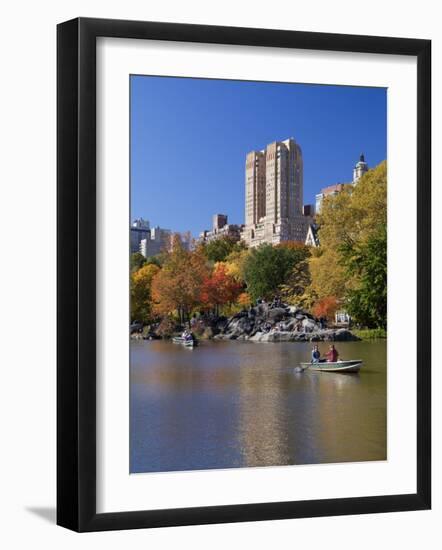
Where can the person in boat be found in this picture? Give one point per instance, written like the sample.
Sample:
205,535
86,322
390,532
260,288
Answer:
316,354
332,354
187,335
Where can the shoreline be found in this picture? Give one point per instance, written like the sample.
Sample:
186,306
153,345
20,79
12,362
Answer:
326,335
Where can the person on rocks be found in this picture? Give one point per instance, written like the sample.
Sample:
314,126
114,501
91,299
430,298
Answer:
332,354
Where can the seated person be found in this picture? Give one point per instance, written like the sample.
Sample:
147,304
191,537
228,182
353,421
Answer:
332,354
316,354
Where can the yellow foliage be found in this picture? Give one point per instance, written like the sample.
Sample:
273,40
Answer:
235,264
346,219
140,292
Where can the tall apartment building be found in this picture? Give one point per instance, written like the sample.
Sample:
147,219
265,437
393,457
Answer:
274,195
139,230
158,240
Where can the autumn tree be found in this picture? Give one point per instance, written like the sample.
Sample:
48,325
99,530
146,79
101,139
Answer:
219,288
177,287
235,263
244,300
293,290
346,223
140,292
326,307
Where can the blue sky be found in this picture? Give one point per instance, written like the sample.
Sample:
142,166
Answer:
189,139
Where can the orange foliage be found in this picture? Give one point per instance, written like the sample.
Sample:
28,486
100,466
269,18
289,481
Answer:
244,299
177,286
219,287
326,307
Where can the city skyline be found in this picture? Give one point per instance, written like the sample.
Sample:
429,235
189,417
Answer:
183,151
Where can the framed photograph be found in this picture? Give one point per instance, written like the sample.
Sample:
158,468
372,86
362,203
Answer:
243,274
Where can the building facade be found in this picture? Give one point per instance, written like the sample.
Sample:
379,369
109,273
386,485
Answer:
359,170
274,195
139,230
158,240
221,229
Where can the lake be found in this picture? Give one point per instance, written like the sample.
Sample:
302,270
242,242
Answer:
240,404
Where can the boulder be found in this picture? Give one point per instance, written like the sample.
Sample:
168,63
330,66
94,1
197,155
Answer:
290,325
309,325
276,314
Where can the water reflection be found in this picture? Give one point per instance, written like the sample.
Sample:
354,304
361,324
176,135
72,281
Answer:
232,404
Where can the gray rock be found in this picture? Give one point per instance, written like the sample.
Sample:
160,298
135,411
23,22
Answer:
309,325
276,314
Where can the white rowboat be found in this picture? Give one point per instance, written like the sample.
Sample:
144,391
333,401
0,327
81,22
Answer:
186,343
339,366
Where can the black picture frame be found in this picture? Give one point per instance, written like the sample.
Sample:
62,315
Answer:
76,274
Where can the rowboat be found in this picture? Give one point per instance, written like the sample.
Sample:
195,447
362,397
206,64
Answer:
184,342
339,366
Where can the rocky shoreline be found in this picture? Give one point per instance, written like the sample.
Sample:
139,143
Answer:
261,323
266,323
327,335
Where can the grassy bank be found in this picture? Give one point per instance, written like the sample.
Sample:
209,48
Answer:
370,333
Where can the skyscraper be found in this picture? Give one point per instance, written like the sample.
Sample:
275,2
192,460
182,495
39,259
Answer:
255,187
139,230
274,194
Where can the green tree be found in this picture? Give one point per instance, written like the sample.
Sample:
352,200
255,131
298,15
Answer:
218,249
157,260
137,260
367,301
266,268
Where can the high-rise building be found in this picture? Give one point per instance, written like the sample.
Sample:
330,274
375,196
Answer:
159,240
255,187
139,230
162,240
274,194
141,223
